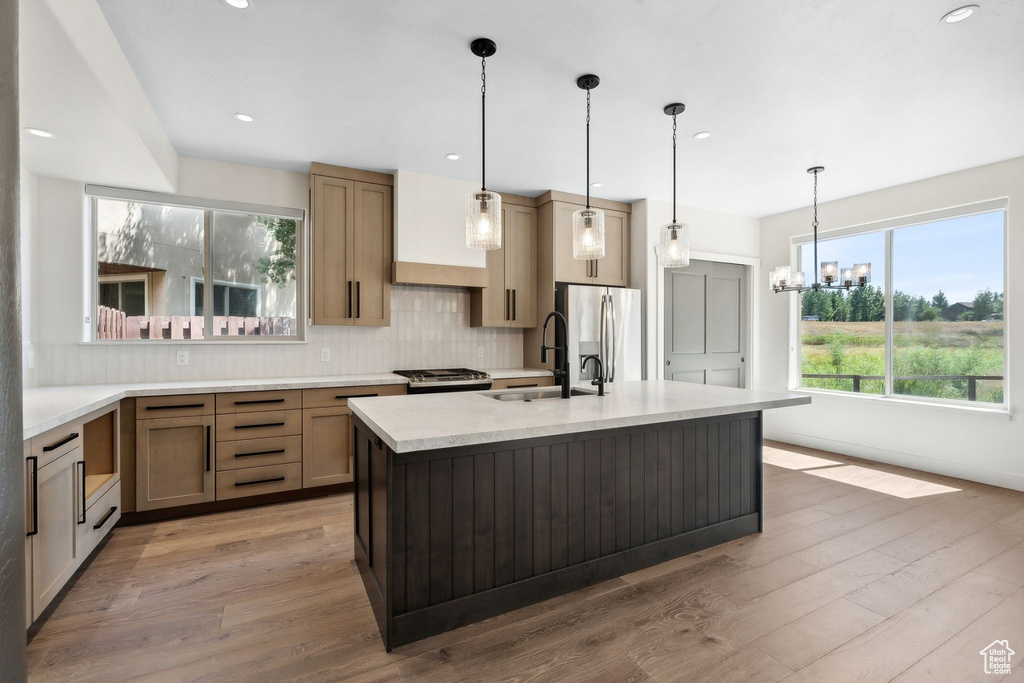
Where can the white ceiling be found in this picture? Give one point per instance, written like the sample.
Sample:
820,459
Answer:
879,92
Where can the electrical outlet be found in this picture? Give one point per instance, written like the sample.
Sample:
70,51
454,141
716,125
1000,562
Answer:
182,357
325,355
479,352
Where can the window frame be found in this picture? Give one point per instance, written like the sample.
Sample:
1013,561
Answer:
94,193
128,277
889,227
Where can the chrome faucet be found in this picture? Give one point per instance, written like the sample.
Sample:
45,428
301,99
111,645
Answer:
599,380
561,373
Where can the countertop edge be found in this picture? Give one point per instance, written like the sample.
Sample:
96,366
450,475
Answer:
515,434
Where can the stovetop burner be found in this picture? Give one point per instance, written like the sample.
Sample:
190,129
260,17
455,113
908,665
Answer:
451,375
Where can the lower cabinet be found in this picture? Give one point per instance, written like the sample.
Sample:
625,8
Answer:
252,481
174,461
55,492
326,453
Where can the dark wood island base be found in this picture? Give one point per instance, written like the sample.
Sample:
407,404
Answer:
448,537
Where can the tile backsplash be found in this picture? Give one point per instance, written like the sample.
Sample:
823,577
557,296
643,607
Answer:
429,329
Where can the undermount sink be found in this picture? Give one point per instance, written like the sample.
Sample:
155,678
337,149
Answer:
540,394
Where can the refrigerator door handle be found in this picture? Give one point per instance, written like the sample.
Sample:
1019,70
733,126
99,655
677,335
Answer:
603,331
611,338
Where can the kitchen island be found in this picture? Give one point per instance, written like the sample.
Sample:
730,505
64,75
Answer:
467,506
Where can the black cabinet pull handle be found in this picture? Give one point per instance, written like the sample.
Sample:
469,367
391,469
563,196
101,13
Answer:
359,396
266,424
513,304
35,495
522,386
358,300
596,267
249,455
180,406
81,476
55,446
349,299
259,401
207,448
258,481
107,516
506,304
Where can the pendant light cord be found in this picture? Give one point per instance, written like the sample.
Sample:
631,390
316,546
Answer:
673,173
483,125
814,224
588,148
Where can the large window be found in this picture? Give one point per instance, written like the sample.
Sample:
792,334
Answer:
938,334
169,268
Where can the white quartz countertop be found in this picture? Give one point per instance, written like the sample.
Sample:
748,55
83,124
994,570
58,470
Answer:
46,408
426,422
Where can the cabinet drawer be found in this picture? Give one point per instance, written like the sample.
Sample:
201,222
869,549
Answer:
253,481
148,407
523,382
100,518
277,450
56,442
339,396
258,401
235,426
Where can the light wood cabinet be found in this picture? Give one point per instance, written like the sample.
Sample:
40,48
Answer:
174,461
55,490
510,297
612,270
352,222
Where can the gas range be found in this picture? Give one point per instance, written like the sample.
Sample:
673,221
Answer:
437,381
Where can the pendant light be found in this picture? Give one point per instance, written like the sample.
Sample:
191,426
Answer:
783,279
483,208
588,223
675,236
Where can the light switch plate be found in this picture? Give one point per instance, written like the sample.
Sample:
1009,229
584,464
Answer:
182,357
325,355
479,352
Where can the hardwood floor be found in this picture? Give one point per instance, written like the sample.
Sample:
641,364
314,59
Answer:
864,572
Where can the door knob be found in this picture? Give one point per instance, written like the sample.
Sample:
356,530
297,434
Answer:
668,362
743,360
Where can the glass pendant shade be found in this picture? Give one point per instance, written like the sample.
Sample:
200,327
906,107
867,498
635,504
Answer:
829,271
675,246
798,279
588,234
483,220
861,273
782,276
847,278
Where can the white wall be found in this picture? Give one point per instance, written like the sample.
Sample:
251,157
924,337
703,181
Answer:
430,326
969,444
713,236
430,221
29,187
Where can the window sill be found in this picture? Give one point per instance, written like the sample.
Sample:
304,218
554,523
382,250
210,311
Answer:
253,341
1002,412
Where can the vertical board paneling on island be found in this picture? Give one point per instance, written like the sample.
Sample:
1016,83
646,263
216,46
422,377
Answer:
592,499
622,462
504,520
559,506
417,538
472,522
483,522
398,534
542,520
523,514
607,496
462,526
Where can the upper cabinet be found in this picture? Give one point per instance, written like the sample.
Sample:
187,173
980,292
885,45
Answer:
510,297
613,269
351,246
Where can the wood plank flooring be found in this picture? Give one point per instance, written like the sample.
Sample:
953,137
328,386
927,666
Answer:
865,572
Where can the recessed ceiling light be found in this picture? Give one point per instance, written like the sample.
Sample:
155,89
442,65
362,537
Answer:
702,135
959,14
238,4
245,118
39,132
595,185
452,157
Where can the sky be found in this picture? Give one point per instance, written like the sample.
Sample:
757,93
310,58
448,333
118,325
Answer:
959,256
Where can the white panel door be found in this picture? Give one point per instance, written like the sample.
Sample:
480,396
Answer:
706,321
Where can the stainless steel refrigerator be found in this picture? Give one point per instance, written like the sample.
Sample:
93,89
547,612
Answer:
604,321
